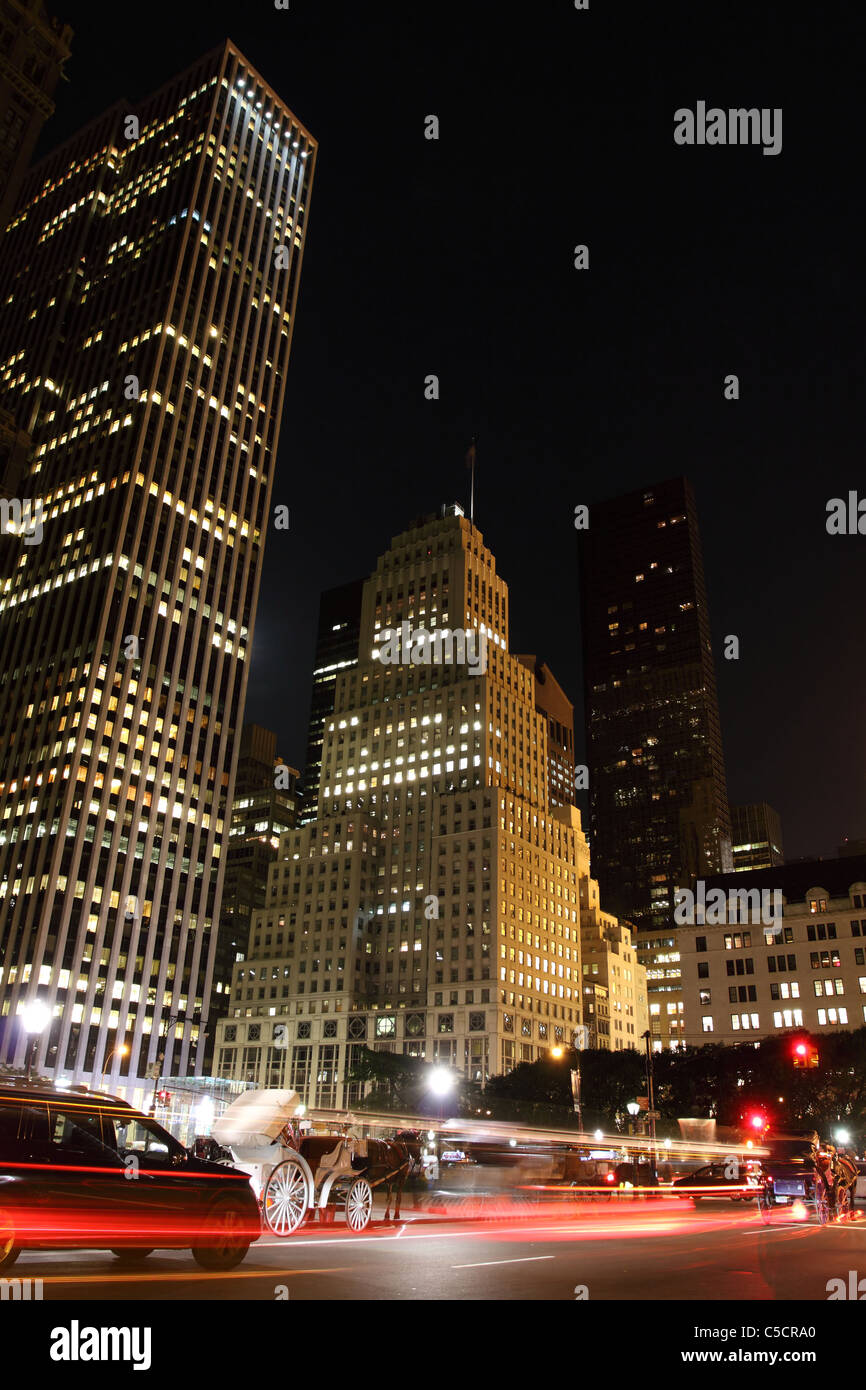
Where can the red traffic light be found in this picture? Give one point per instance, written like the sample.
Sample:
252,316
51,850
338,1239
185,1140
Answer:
163,1097
805,1055
758,1121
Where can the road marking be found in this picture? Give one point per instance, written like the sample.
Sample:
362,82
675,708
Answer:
527,1259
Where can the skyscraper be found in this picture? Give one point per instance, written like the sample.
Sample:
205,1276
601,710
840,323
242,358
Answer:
148,289
433,905
33,50
658,797
552,701
265,804
336,650
756,832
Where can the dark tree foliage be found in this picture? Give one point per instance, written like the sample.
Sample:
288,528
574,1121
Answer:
400,1083
714,1081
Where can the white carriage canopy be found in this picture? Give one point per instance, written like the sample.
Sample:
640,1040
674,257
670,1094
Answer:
256,1118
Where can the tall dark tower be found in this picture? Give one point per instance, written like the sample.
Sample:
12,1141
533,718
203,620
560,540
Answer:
147,297
336,651
658,796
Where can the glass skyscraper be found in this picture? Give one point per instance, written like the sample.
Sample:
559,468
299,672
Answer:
658,795
147,297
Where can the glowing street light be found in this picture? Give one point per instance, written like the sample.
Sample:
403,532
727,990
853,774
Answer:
441,1081
117,1052
35,1018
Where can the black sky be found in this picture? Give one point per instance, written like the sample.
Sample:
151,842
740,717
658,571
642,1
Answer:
455,257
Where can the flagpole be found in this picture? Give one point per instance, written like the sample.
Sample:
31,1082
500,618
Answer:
472,493
470,459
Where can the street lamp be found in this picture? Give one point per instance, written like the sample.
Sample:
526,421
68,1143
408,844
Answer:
634,1110
160,1057
579,1039
35,1018
117,1052
652,1108
441,1082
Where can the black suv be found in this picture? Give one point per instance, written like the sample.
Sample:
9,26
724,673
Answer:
81,1170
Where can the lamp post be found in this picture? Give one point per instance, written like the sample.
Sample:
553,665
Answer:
116,1052
441,1082
652,1107
35,1018
580,1038
634,1110
159,1059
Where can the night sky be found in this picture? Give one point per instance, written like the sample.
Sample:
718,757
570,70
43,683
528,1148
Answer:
456,258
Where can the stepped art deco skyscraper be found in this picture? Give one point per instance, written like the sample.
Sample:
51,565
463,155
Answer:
658,795
433,905
147,297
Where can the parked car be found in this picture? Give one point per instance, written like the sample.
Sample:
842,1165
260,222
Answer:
81,1170
713,1180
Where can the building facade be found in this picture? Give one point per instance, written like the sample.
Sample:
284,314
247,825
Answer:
659,952
558,710
658,814
33,50
265,805
614,981
744,980
337,638
433,906
756,832
149,282
658,799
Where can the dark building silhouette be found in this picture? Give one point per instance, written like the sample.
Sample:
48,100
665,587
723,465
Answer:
756,835
336,651
33,49
658,799
265,804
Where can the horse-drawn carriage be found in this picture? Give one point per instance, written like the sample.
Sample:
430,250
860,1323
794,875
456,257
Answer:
293,1175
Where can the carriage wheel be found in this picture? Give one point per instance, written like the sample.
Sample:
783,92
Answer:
285,1199
843,1202
765,1205
359,1206
822,1205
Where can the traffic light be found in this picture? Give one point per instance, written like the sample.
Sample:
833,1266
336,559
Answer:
163,1097
758,1122
805,1054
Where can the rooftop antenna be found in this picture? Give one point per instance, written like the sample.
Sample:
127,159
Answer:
470,463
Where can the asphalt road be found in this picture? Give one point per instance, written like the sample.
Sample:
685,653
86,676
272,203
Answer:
637,1250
